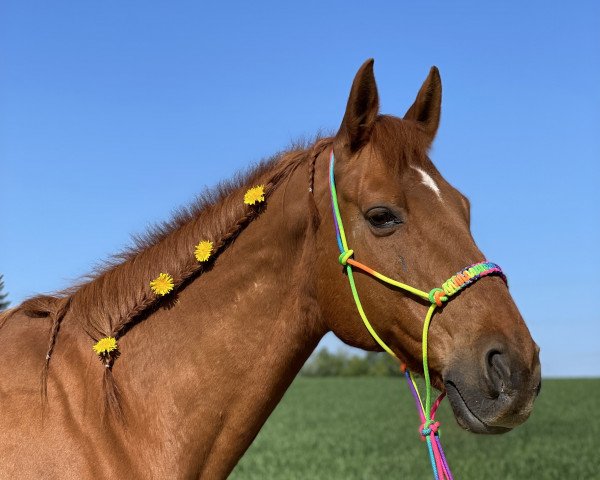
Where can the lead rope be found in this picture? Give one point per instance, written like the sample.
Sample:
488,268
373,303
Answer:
429,428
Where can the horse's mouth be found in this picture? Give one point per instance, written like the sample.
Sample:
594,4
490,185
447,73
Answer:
465,417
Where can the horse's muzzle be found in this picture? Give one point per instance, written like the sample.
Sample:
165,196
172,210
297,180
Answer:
494,392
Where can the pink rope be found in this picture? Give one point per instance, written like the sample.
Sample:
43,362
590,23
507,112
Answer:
441,464
440,458
436,404
436,451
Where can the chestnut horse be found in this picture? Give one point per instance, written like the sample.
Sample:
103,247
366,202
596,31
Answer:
200,369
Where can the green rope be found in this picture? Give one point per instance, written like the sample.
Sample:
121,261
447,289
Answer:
363,315
425,361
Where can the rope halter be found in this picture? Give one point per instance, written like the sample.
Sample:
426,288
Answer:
436,297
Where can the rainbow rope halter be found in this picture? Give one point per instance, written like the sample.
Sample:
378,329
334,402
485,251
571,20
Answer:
437,297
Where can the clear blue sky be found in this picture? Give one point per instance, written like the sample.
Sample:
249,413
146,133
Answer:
114,113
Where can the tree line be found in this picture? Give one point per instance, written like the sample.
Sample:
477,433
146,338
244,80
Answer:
343,364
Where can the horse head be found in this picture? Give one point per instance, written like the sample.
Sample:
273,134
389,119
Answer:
402,218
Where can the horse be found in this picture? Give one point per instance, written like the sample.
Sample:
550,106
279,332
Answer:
167,361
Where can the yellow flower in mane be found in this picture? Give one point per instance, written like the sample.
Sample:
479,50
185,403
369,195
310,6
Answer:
203,250
105,345
255,195
162,284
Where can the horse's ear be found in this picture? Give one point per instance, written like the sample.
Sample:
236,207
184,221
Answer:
427,106
362,109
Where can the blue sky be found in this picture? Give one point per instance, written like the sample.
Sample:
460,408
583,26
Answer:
114,113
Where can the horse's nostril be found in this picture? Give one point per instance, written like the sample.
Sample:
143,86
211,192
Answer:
498,370
538,388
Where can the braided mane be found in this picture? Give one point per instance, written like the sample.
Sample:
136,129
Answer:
114,297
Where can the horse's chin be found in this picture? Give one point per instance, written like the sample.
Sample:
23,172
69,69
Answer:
465,416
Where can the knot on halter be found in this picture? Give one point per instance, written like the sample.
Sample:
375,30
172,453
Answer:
437,296
344,256
429,427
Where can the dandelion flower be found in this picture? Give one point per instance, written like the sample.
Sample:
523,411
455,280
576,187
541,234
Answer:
203,250
105,345
162,284
255,195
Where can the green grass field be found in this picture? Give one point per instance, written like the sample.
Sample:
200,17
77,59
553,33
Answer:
359,428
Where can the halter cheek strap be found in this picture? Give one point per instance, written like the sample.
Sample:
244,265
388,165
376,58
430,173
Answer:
437,297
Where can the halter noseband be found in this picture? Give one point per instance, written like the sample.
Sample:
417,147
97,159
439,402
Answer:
437,297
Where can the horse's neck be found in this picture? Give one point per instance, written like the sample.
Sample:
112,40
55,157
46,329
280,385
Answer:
209,370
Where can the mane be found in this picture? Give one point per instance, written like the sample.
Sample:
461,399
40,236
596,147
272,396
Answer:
117,294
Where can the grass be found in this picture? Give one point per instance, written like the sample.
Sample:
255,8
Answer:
366,428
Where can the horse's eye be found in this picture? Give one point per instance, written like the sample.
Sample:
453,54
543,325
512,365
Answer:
381,217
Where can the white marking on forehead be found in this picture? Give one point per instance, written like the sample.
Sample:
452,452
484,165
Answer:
428,181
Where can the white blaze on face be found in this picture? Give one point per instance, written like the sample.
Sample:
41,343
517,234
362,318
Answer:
428,181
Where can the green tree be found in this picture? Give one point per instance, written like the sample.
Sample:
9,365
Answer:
356,366
3,303
326,364
381,365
